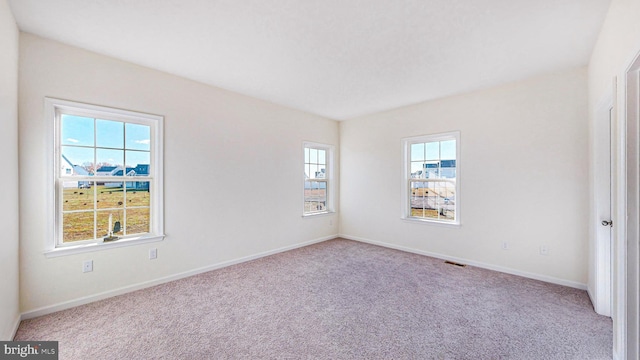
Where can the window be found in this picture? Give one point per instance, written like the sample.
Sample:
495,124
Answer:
431,178
107,182
318,185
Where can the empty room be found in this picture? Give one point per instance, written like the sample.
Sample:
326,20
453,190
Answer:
320,179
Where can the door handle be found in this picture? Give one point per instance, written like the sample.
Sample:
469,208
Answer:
607,223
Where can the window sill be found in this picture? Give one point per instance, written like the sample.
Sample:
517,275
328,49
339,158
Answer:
79,249
432,222
323,213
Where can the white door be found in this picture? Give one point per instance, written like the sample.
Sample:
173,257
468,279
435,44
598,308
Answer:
603,226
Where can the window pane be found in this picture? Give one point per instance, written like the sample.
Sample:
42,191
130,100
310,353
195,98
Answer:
448,169
448,149
321,197
307,171
313,171
417,152
77,226
76,161
109,134
138,193
138,221
429,169
322,156
445,192
138,137
76,130
315,196
117,222
306,155
417,170
322,172
421,200
108,157
309,206
432,169
138,163
313,156
418,192
77,195
433,150
110,195
433,200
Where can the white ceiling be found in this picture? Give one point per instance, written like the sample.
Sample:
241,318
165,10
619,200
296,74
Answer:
335,58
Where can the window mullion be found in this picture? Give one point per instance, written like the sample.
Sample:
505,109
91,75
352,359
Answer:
124,206
95,209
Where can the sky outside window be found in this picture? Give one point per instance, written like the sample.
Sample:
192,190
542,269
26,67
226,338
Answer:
77,130
86,140
138,137
109,134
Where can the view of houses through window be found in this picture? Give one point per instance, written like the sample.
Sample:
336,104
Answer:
432,178
316,182
104,178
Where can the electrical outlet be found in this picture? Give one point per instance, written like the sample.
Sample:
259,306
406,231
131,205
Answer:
505,245
153,254
544,250
87,266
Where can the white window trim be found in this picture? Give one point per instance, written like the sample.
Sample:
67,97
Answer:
52,108
329,178
406,175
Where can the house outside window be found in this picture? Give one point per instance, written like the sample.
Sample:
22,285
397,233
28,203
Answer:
431,185
107,176
318,182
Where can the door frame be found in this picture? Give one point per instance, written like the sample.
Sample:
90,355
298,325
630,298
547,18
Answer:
600,252
627,253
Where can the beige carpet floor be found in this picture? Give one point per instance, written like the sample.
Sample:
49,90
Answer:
339,299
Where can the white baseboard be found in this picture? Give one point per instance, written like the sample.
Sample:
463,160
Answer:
591,297
498,268
123,290
11,330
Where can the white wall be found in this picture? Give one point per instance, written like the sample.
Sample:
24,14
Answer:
523,177
9,303
215,143
618,44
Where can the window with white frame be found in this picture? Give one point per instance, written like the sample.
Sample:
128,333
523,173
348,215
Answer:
431,178
318,186
107,181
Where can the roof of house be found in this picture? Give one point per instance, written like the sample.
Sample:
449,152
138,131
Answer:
67,160
443,164
106,168
140,169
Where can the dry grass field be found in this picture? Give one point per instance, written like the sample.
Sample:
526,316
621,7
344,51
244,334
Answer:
427,213
315,200
131,209
425,201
